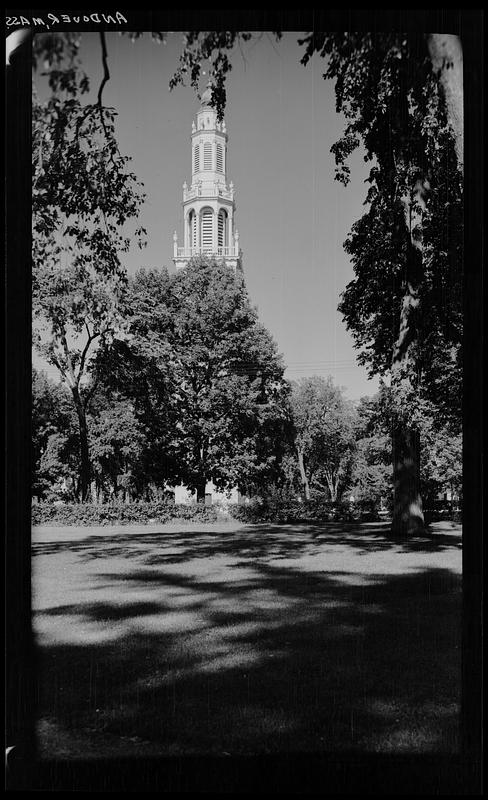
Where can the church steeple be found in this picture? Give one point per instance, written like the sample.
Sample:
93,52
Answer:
208,203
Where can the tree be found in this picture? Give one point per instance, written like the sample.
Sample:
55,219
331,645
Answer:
207,382
324,424
211,46
117,448
402,98
228,379
371,478
406,251
54,436
136,367
441,460
83,196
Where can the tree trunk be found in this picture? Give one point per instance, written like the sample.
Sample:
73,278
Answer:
201,486
330,485
407,506
85,466
303,475
408,517
446,54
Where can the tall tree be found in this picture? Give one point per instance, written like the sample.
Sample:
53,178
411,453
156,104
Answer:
324,424
407,249
228,377
441,459
401,96
135,367
213,395
55,445
371,477
117,449
83,196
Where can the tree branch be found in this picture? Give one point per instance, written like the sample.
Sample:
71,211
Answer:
317,483
91,338
106,77
71,374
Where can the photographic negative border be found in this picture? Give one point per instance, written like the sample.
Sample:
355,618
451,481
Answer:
330,774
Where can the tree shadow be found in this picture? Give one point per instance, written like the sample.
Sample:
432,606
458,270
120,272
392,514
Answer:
251,541
273,660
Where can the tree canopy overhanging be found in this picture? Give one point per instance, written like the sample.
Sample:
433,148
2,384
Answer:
401,97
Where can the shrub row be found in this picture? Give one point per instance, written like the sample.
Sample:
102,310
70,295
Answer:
160,512
295,512
255,512
120,513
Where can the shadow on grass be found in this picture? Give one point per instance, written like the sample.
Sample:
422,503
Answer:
271,661
254,542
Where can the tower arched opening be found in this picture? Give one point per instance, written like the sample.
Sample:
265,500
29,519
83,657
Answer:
207,229
191,231
223,232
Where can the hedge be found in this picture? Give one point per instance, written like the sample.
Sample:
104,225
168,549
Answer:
120,513
296,512
159,512
257,511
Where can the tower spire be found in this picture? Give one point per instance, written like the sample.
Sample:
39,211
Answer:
208,202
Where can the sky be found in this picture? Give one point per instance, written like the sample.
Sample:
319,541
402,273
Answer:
292,216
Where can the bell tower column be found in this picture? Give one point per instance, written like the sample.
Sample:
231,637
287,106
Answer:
209,192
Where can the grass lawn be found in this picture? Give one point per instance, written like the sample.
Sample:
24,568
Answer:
245,639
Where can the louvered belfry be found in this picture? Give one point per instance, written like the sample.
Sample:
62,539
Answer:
208,203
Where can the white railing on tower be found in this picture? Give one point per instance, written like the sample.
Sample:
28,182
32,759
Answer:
224,252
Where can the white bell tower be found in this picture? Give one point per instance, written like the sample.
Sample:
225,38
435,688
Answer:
208,203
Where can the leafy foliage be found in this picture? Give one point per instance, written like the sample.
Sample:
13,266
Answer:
83,196
284,512
190,386
441,459
117,445
120,513
203,377
404,307
132,375
324,423
371,473
393,102
209,46
231,391
54,437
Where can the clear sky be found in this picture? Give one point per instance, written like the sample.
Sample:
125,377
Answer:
292,216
